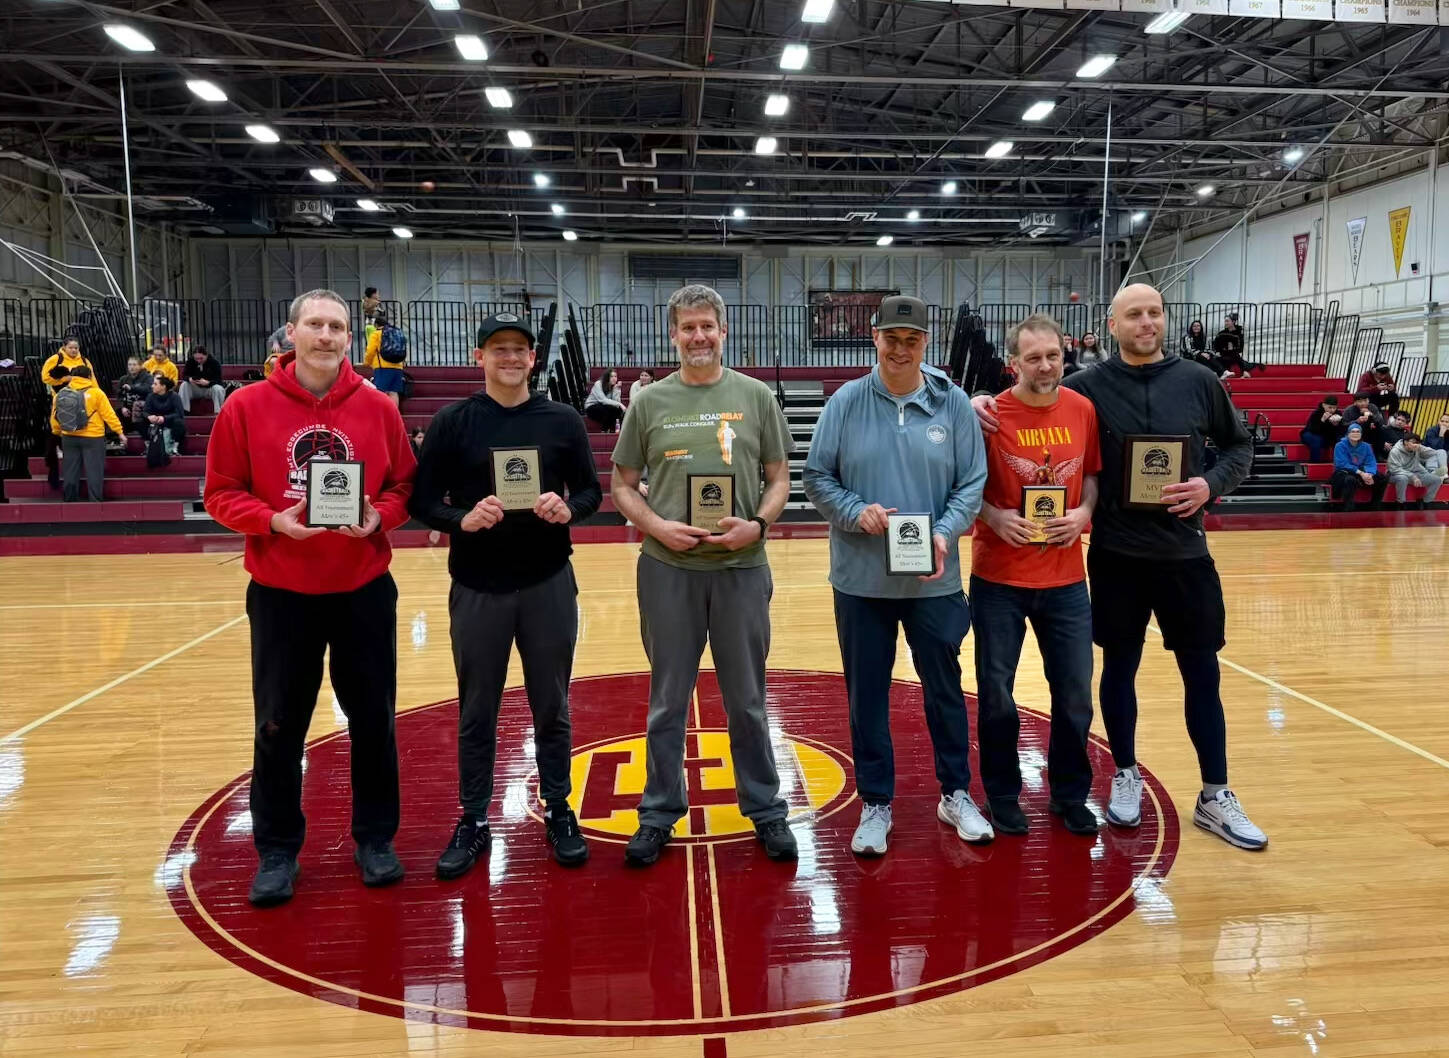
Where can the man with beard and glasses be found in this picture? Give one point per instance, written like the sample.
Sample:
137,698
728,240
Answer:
1156,562
707,437
1030,568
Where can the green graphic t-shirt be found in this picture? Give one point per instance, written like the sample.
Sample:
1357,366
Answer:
732,426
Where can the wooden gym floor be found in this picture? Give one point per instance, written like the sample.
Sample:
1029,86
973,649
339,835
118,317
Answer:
126,707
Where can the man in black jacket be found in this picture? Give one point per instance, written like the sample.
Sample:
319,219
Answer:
1156,562
1323,429
512,580
201,377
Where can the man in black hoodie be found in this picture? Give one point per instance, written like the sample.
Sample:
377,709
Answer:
1156,562
512,580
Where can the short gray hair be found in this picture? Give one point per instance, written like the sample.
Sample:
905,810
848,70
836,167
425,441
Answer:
693,296
294,313
1038,322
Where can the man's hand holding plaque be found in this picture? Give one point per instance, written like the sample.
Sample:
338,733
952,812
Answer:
517,477
711,499
335,499
1154,467
910,546
1040,505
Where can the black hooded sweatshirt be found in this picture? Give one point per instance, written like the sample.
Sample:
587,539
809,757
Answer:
1169,396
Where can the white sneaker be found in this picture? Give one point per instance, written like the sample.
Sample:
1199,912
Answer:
870,834
959,811
1125,808
1223,816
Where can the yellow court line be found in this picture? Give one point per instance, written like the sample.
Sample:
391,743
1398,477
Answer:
697,722
68,706
1283,688
693,931
719,951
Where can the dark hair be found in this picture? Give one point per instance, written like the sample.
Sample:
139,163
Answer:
1411,436
1085,333
1362,394
199,349
369,291
59,371
1402,414
165,381
1330,399
80,371
646,371
609,371
1197,324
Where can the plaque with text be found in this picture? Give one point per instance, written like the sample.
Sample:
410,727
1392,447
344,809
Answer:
334,493
1040,504
910,551
1151,462
517,477
711,497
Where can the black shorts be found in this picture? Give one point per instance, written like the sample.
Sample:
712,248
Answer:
1185,595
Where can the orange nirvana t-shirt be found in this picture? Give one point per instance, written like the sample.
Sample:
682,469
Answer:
1055,445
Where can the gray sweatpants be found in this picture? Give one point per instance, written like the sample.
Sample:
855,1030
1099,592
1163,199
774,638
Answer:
544,620
678,610
1401,483
82,453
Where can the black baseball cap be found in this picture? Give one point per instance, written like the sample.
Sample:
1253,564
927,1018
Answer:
504,321
901,310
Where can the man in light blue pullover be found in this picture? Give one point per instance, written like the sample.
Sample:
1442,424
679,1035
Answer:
902,438
1354,464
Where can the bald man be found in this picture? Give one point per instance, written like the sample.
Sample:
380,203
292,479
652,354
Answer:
1155,562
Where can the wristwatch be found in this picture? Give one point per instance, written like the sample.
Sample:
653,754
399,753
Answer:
764,526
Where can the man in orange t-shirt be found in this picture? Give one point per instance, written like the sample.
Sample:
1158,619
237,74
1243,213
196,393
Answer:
1048,436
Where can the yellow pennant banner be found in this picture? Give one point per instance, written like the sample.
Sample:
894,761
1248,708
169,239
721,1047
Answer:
1398,232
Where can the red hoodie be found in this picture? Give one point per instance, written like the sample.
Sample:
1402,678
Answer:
256,465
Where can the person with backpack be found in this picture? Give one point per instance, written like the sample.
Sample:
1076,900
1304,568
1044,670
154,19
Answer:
387,351
202,378
164,413
81,415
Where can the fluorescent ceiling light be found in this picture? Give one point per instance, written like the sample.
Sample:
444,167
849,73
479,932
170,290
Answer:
765,145
368,205
1166,22
322,176
1096,66
794,57
558,210
571,236
519,138
948,188
403,233
739,213
776,104
1038,110
263,134
1292,154
444,5
498,98
914,214
999,149
1139,216
471,47
885,240
206,90
816,10
128,38
1206,191
541,180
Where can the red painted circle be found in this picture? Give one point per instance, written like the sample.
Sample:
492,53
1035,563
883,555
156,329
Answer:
715,937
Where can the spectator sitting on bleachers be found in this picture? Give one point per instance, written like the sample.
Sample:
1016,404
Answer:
163,409
1353,465
645,378
131,391
1395,427
1323,429
1195,347
1437,441
81,415
1090,351
1379,383
203,379
160,362
68,356
416,440
605,404
1229,347
1410,463
1369,418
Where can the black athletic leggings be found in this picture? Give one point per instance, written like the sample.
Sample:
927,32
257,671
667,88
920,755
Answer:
1202,704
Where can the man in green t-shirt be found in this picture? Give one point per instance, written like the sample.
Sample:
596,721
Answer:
695,584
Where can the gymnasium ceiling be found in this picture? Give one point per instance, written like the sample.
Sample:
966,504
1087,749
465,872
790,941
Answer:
644,114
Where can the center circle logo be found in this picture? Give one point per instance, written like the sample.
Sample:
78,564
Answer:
713,938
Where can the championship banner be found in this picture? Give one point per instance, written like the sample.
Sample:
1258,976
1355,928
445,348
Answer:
1155,7
1313,10
1359,10
1355,244
1413,12
1095,5
1398,232
1255,8
1203,7
1300,252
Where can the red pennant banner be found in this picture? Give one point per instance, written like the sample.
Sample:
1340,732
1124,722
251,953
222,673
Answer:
1300,251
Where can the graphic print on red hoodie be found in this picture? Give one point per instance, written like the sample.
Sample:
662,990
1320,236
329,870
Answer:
256,465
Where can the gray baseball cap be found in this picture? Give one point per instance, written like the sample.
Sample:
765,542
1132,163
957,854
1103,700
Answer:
900,310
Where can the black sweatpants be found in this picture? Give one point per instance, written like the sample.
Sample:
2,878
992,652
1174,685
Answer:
290,632
543,618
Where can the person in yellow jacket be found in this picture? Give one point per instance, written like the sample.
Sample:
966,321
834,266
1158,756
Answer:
160,363
81,415
67,356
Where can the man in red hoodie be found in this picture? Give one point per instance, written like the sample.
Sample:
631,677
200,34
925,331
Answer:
316,588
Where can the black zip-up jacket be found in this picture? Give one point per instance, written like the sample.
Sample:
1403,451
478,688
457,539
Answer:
208,370
1169,396
456,471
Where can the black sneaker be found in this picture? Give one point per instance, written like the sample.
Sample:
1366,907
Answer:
562,831
380,865
273,882
779,842
470,840
646,845
1077,817
1006,815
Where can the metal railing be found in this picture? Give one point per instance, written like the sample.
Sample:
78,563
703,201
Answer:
1429,400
